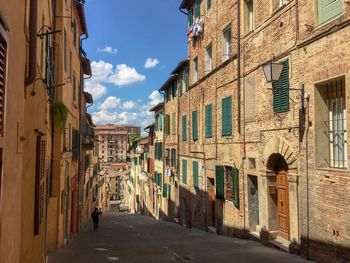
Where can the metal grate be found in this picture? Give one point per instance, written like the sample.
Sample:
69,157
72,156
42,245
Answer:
337,123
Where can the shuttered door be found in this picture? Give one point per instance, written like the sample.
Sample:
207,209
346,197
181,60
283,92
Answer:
3,65
184,131
184,171
219,181
235,180
328,9
194,125
281,90
195,174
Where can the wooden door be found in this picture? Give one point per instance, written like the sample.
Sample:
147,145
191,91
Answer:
282,205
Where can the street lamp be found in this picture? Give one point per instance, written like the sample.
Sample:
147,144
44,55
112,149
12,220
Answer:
273,71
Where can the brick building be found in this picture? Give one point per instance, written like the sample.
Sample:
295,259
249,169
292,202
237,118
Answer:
256,159
114,141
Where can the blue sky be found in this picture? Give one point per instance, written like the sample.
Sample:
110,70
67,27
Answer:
133,47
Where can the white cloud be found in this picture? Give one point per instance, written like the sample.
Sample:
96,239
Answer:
128,105
151,63
103,117
102,72
127,118
125,75
108,49
95,89
155,98
110,103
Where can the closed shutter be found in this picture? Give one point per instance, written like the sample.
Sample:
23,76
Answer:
184,171
281,90
208,121
227,116
75,154
49,76
190,19
3,72
328,9
198,8
173,123
39,183
194,125
195,174
235,180
160,151
219,181
165,190
184,131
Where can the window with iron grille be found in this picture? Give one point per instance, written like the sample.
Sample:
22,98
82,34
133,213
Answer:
330,124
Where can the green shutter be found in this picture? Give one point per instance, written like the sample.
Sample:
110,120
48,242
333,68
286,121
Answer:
187,73
169,191
173,123
219,182
198,8
208,121
184,171
195,174
184,128
281,90
235,182
226,122
137,199
328,9
190,17
195,125
165,190
208,4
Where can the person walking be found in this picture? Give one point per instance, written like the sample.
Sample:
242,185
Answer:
95,218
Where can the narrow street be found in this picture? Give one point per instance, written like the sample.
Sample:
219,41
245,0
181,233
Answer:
132,238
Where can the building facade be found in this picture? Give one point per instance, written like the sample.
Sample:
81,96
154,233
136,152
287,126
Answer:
253,158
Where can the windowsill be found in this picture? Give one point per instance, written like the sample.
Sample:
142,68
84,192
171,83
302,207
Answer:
322,25
331,169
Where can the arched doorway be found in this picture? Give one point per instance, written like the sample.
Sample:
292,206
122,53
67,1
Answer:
280,195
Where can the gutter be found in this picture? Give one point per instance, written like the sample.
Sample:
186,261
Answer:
33,20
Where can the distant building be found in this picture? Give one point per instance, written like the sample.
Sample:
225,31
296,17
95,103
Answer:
114,141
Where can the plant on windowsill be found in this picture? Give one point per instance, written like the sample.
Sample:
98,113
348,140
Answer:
60,114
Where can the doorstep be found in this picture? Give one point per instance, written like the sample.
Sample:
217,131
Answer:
280,243
211,229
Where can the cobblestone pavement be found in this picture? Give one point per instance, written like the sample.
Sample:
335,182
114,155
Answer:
130,238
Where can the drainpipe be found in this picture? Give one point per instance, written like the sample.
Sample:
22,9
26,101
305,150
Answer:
307,121
239,65
32,42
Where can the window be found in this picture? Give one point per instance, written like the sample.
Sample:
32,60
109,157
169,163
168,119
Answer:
327,10
226,43
195,70
70,65
167,124
190,17
75,145
226,122
208,4
278,3
74,88
158,151
227,184
184,171
209,58
330,124
173,157
166,190
249,15
208,121
173,123
174,89
281,90
65,49
195,175
49,77
185,78
195,125
198,8
184,128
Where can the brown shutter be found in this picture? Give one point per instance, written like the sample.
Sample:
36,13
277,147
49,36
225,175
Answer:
39,183
3,65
